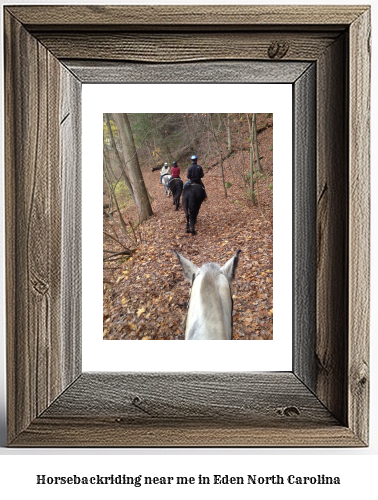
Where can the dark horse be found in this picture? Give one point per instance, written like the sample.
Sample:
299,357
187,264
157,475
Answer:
176,185
192,198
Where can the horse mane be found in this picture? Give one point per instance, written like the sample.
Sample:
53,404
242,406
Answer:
210,302
210,283
215,314
210,272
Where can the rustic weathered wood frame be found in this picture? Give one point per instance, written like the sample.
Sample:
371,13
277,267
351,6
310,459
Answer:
49,52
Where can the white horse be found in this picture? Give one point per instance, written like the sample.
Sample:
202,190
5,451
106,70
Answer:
210,302
166,176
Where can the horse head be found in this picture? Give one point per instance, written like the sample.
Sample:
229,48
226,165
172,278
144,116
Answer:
210,302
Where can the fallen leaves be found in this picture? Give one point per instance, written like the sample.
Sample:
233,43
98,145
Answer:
148,294
141,311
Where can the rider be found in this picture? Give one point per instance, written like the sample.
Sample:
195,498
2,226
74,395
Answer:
195,174
175,172
164,170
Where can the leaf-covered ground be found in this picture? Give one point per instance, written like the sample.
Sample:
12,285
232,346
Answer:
145,296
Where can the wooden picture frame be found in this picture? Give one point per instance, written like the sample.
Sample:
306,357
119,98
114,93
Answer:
324,51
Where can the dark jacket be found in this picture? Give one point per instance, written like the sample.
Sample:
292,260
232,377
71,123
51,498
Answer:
195,172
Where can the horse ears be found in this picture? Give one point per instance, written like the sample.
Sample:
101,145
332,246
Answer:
230,267
188,267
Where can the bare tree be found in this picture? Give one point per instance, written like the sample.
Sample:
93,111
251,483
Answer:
256,144
228,126
115,230
117,154
251,160
221,158
255,175
132,167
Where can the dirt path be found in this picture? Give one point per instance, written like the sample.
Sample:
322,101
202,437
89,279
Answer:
148,296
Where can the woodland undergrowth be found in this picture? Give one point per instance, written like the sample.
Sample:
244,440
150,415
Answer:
145,293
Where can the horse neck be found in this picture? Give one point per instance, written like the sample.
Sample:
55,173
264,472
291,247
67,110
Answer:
210,309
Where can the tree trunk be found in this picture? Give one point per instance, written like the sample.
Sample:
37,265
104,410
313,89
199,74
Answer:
254,127
222,170
132,167
114,147
220,122
252,180
107,180
212,128
229,144
251,162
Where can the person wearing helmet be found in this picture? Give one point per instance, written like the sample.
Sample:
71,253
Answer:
163,171
195,174
175,170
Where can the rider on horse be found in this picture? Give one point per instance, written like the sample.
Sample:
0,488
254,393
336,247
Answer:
195,174
164,171
175,172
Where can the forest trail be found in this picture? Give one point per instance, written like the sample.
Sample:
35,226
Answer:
146,296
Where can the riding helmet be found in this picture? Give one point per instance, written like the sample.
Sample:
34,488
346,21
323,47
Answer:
175,163
194,157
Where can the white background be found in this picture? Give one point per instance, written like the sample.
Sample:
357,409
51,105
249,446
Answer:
100,355
356,467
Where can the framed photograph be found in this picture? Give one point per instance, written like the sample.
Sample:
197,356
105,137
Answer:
323,52
145,291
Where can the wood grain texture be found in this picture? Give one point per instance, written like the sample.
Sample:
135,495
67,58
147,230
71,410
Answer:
181,47
191,396
186,410
70,147
32,239
332,230
100,432
173,16
321,405
359,227
200,72
35,350
304,227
